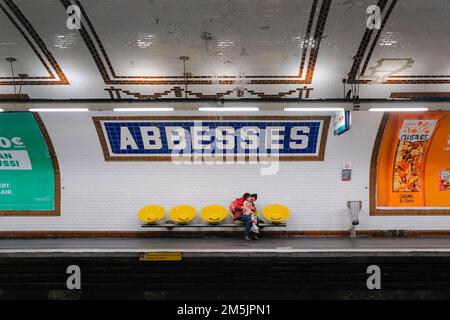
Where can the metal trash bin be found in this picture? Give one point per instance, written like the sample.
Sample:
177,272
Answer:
354,208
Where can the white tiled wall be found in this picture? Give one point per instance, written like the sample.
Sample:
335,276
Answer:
99,196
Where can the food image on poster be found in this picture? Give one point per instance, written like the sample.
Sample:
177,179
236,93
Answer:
413,140
407,166
410,164
445,180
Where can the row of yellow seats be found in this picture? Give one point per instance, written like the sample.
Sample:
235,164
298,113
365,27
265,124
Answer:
275,213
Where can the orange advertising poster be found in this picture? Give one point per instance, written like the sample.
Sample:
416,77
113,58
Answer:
412,164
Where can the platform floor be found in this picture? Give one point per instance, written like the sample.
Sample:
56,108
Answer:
230,246
216,268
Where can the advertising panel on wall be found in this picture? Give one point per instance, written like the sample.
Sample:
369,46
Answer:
165,138
410,172
29,175
342,122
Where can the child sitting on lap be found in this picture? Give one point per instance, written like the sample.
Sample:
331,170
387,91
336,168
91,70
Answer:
249,209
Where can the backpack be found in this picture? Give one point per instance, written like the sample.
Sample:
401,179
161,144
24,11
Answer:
236,208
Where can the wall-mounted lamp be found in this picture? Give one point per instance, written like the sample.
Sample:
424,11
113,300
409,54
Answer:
11,60
186,75
22,76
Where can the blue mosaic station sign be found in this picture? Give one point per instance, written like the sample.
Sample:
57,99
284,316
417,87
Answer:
162,138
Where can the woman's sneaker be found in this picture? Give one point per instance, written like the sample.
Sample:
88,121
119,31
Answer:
254,228
247,238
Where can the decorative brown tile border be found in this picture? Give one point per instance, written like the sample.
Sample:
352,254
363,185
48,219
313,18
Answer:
235,234
164,234
21,96
373,183
28,32
373,165
105,67
320,157
416,95
303,93
367,46
57,181
403,233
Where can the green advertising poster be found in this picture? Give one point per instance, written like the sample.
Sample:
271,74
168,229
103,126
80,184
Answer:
27,177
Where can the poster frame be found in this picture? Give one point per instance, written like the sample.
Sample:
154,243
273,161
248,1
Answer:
57,179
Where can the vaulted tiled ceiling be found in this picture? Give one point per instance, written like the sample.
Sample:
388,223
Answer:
236,48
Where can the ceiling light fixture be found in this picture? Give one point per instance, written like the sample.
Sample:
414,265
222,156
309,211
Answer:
398,109
228,109
143,109
58,109
314,109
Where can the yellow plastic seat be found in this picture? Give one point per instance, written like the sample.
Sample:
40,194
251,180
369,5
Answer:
151,214
214,213
276,213
182,213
